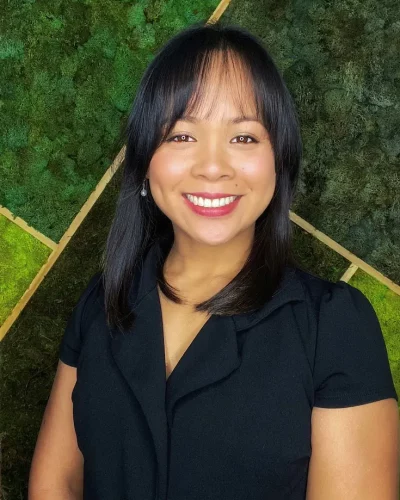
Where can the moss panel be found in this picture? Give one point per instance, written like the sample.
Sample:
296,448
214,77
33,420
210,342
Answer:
314,256
21,256
387,307
340,61
70,76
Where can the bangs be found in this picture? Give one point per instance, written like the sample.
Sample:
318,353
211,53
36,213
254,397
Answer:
191,88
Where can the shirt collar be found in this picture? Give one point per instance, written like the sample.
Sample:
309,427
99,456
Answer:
290,289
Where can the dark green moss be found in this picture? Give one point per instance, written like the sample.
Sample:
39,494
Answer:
340,62
71,73
315,257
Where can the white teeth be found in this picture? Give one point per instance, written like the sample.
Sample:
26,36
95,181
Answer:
207,202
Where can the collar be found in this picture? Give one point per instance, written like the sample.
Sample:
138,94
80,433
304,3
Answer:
290,289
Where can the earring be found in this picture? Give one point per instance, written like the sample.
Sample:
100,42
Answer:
143,192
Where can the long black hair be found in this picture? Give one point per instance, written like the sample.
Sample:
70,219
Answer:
173,81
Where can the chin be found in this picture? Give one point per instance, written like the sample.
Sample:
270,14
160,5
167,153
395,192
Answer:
208,239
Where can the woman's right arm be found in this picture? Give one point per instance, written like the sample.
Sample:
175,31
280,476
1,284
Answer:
57,465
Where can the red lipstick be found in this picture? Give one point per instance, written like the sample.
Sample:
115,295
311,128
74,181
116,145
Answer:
212,211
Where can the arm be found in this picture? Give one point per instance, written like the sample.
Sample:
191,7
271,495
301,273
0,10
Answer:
355,452
57,465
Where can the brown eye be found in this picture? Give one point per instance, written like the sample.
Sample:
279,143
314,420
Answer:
242,139
180,136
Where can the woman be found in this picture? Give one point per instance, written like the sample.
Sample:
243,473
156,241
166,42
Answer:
202,363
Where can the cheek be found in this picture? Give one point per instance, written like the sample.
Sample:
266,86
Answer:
260,174
165,171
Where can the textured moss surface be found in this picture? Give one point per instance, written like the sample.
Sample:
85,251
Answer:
315,257
70,77
22,256
387,307
341,63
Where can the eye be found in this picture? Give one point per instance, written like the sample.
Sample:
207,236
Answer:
243,139
180,136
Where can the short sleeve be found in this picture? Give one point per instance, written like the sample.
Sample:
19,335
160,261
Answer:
71,341
351,361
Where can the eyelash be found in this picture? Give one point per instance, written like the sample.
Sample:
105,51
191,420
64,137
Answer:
187,135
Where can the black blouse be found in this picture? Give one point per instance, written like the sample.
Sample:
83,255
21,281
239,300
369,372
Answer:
233,420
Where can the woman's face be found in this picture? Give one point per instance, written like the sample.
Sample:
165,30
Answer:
213,156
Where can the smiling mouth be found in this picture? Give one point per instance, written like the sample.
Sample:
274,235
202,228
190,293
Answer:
211,202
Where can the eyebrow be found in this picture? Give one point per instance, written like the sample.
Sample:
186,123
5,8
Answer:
237,119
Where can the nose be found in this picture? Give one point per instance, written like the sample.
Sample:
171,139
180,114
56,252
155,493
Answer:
213,165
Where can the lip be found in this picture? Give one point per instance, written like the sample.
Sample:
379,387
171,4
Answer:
212,196
212,211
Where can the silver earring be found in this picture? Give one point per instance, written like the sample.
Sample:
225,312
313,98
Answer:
143,192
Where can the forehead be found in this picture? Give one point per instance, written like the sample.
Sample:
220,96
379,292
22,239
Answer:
223,90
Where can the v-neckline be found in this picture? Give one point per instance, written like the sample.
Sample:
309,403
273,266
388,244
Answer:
188,350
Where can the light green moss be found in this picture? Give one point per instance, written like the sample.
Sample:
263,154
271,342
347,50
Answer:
22,256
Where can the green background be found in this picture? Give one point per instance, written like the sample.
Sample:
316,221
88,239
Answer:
69,76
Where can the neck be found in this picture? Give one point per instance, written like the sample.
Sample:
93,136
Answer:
197,262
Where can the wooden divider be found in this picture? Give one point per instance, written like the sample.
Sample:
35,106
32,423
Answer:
344,252
27,228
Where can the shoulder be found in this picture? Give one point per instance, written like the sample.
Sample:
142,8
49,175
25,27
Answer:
313,284
80,319
90,301
92,289
346,346
345,320
340,295
93,295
